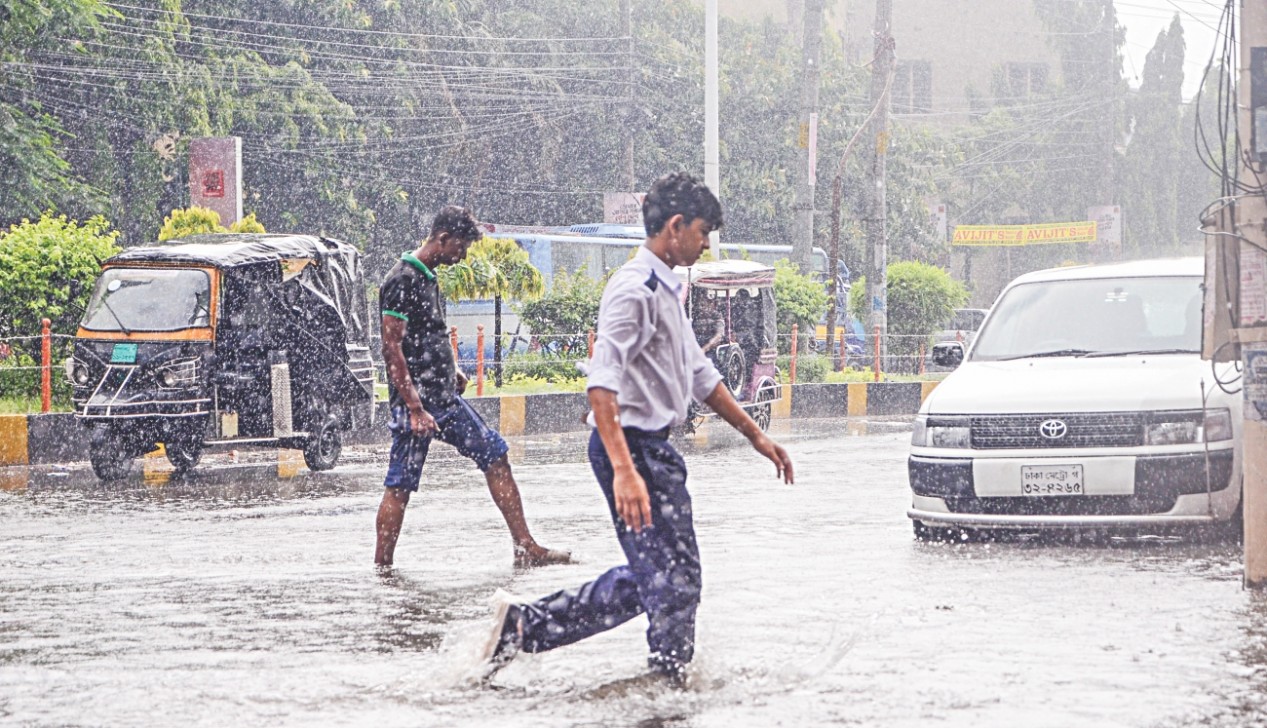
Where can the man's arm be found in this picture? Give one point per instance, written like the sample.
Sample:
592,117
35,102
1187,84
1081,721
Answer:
722,403
630,491
420,421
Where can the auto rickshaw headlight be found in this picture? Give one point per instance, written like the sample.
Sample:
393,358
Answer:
79,374
167,378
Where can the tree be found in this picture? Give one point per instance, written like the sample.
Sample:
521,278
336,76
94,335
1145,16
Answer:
1151,166
47,268
922,298
515,278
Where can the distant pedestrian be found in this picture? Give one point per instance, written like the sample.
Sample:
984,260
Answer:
426,392
647,366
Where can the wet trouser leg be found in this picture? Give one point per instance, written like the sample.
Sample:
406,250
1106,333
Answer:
662,577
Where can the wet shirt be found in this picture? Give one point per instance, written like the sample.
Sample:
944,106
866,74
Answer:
645,350
411,293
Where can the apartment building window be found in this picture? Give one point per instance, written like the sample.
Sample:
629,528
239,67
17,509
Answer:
913,87
1025,79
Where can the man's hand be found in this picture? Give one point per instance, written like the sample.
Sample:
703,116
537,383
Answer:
632,502
776,454
421,423
461,381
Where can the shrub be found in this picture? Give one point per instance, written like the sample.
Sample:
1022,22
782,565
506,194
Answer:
190,221
921,299
801,300
247,224
542,366
564,314
810,369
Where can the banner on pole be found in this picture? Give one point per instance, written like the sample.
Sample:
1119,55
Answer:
1049,233
623,208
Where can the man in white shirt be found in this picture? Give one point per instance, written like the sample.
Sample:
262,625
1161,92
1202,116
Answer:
646,369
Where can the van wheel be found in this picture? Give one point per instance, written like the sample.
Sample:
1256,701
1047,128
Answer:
184,454
109,456
322,450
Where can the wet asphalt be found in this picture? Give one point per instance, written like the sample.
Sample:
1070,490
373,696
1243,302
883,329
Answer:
244,594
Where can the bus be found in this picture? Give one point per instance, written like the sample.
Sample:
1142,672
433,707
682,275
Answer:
597,249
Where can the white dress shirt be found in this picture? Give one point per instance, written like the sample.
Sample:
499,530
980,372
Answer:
644,350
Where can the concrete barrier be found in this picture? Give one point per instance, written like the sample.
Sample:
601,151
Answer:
59,438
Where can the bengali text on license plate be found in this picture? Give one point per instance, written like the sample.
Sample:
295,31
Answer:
1052,480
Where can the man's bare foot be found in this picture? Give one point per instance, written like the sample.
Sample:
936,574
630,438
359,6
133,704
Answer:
527,557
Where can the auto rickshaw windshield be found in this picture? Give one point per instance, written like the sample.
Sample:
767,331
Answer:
149,299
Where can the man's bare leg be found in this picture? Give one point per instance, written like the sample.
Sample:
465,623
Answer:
505,492
391,514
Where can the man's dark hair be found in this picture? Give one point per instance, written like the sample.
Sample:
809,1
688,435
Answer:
679,194
457,221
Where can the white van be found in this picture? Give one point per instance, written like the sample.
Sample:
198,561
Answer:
1083,402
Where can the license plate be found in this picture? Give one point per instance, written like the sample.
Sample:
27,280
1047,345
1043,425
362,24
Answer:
1052,480
123,354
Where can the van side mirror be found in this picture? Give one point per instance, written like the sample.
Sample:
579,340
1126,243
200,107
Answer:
948,354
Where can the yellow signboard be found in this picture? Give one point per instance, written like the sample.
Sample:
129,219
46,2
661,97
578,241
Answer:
1010,235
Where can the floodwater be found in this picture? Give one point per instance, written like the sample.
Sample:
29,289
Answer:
245,595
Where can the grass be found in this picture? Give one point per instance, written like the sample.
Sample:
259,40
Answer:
22,405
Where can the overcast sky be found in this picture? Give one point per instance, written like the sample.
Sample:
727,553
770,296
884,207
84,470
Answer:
1144,19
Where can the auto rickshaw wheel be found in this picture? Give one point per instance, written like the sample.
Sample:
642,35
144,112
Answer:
108,455
323,448
761,413
732,368
184,454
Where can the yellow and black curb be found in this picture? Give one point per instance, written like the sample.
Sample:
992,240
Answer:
44,439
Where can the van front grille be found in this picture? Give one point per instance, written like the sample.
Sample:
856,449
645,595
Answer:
1083,429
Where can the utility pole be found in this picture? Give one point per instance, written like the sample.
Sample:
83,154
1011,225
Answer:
631,121
876,206
1251,231
712,166
811,52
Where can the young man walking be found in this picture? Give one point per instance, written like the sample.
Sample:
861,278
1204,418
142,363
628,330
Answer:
646,369
426,392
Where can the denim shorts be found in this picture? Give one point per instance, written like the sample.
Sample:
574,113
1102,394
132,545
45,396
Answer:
460,426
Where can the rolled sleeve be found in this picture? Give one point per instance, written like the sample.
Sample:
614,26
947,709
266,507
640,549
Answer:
624,328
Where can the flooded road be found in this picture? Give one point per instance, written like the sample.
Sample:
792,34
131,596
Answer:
242,595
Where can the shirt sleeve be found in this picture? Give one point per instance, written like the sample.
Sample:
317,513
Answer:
624,328
392,299
704,374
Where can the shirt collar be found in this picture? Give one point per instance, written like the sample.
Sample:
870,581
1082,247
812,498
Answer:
659,268
410,259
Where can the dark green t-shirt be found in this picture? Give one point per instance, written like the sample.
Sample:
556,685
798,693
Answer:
411,293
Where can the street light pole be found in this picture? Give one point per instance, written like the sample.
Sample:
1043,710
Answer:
877,208
811,52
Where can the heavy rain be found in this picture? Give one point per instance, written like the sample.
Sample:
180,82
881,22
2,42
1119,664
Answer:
685,363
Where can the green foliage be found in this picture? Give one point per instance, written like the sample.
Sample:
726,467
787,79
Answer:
543,366
247,224
47,268
810,368
562,316
190,221
493,268
921,298
800,299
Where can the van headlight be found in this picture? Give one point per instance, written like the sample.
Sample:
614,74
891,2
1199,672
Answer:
1188,427
948,432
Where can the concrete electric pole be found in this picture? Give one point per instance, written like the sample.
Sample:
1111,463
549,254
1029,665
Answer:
1251,232
811,55
631,118
876,206
712,161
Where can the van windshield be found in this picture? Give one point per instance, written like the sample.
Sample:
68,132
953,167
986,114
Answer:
149,299
1094,317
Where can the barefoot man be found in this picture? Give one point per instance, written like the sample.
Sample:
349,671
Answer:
426,392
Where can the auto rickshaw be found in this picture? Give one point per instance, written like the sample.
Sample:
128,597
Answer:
223,340
741,292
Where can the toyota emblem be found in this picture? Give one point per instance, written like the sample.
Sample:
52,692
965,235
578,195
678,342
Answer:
1053,429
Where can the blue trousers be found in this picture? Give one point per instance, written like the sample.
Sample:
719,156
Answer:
661,578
